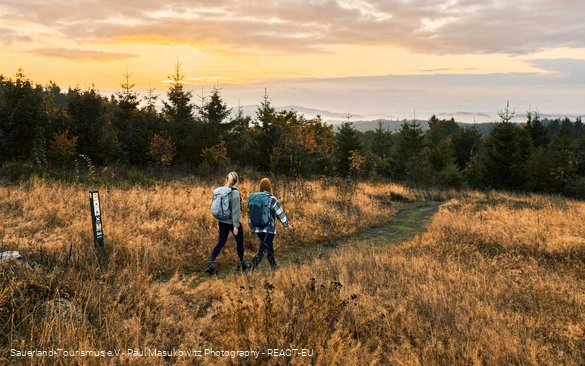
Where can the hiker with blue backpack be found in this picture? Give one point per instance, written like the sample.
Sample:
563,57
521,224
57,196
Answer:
226,207
263,209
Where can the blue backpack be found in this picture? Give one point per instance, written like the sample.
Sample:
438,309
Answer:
259,209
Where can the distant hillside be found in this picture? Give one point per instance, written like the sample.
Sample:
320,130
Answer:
483,121
389,125
394,125
250,110
462,114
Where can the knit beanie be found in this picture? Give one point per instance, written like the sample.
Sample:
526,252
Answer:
265,185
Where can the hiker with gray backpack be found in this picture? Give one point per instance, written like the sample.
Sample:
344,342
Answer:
263,209
226,207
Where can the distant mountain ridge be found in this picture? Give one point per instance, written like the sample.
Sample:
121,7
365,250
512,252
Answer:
440,115
368,122
250,110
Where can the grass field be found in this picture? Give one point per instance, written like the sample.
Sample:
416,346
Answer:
496,278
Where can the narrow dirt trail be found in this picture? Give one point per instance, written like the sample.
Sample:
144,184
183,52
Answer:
410,220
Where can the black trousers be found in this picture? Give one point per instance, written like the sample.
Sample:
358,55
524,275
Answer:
266,247
224,232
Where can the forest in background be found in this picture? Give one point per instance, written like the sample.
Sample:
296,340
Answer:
44,131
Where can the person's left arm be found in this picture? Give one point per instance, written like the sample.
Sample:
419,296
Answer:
280,213
236,208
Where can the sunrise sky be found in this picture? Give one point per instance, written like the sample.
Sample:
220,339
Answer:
360,56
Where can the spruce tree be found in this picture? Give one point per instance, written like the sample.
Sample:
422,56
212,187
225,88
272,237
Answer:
505,154
563,139
266,132
578,127
214,109
178,112
91,120
446,127
439,150
538,131
126,121
24,118
211,125
150,99
408,144
347,142
127,97
241,145
466,141
580,155
178,109
382,142
553,127
432,121
562,147
143,124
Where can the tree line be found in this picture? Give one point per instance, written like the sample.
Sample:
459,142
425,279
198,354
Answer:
43,126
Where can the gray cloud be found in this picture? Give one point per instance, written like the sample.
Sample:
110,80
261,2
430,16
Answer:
567,69
81,55
9,36
423,26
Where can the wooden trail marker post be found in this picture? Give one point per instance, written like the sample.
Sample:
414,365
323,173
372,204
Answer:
96,219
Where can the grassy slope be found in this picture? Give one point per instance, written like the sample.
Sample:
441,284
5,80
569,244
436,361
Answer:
496,279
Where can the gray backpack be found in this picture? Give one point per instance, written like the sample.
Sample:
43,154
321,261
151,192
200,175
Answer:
221,206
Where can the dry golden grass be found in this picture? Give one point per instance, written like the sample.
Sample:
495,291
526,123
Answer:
496,279
169,227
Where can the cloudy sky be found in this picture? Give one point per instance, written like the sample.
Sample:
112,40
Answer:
360,56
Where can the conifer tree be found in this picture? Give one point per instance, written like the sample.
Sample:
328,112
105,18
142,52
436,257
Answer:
538,131
505,154
24,118
178,109
127,97
382,142
267,134
466,141
178,112
562,147
242,141
214,109
347,143
91,120
578,127
213,113
381,149
432,120
408,144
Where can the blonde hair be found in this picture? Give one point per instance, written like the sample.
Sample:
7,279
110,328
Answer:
231,179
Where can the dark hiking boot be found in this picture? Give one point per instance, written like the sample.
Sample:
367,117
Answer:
273,264
249,268
242,265
211,268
